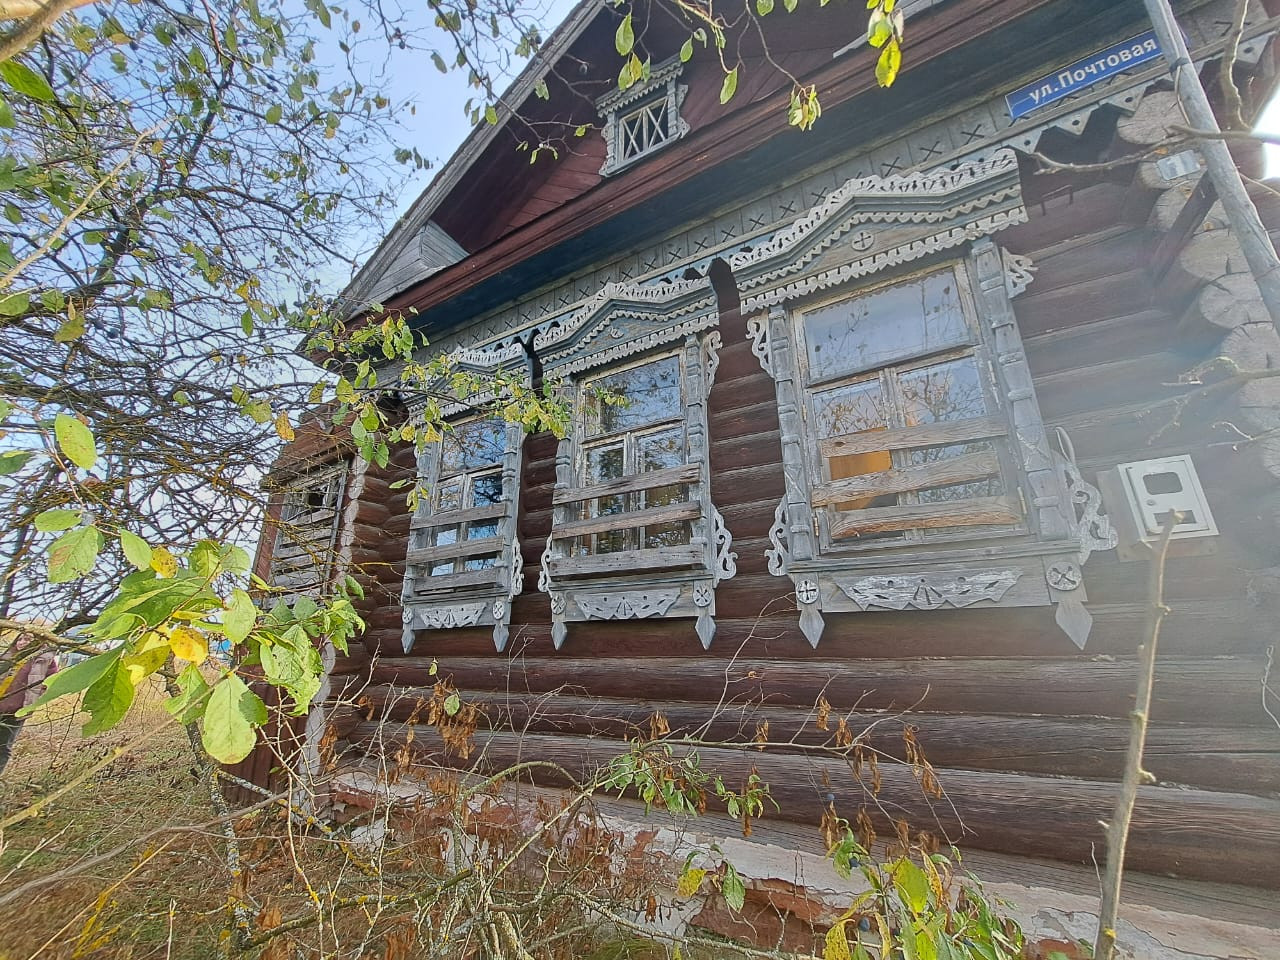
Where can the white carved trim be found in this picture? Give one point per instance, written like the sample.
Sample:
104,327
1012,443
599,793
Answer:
779,555
711,345
758,331
446,618
928,591
626,605
1019,271
726,566
613,105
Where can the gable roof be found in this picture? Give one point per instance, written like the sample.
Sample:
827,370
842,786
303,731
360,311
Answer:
401,260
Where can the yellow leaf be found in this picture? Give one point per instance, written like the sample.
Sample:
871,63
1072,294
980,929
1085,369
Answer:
836,946
146,658
164,563
189,644
690,881
284,427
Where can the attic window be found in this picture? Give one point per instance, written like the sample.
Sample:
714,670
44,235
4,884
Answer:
643,118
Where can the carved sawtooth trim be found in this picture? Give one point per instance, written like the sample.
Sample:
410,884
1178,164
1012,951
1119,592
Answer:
929,591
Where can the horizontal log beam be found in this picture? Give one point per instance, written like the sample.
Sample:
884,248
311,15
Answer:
689,473
1089,747
976,511
1048,686
941,473
669,513
1190,833
907,438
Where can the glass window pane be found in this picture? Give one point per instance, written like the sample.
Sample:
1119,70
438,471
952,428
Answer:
613,541
446,536
905,320
855,408
441,568
605,463
478,563
943,391
666,534
662,449
486,490
449,495
628,399
479,531
472,445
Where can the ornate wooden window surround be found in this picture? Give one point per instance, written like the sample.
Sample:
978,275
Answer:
634,533
463,565
642,118
918,470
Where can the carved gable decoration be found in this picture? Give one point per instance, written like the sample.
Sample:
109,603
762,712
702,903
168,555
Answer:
870,223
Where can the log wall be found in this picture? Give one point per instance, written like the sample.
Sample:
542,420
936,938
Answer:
1026,732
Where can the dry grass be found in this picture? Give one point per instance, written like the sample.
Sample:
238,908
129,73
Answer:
161,899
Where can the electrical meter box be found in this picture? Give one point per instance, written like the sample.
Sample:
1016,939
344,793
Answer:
1139,497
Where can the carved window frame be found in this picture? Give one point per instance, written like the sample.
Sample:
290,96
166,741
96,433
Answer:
464,597
641,583
663,90
1038,566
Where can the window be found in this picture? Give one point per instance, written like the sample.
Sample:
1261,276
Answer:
635,425
642,118
303,547
918,469
908,432
463,563
634,533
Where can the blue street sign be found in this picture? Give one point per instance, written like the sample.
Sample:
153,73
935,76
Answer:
1083,73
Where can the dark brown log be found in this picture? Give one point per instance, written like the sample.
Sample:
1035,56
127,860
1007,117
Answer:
1189,833
1090,747
997,686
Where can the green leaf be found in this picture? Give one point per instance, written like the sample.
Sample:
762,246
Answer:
686,51
52,521
136,550
491,115
11,461
14,304
75,440
321,11
764,7
75,678
735,892
240,616
888,64
187,706
730,86
452,704
625,38
230,718
73,554
275,113
108,699
439,62
879,29
912,884
25,80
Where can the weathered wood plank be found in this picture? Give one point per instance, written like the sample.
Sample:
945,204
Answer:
451,581
668,513
671,476
906,438
449,518
653,558
976,511
461,548
940,473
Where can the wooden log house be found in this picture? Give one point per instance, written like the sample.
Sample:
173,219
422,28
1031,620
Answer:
902,406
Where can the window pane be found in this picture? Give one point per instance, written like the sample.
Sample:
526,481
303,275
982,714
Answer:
662,449
649,393
478,563
486,490
906,320
856,408
441,568
666,534
605,463
470,446
446,536
943,391
449,495
478,531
